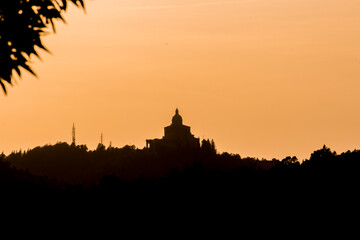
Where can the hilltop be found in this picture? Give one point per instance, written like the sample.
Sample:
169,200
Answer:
73,164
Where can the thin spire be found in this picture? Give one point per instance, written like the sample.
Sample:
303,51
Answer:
73,134
177,111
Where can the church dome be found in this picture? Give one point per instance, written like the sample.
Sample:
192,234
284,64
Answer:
177,119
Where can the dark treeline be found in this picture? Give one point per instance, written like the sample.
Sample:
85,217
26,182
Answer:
129,173
75,165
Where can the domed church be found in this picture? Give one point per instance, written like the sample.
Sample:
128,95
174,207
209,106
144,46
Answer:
177,137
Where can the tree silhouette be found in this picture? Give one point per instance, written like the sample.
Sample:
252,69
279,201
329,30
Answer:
129,174
289,162
22,24
208,145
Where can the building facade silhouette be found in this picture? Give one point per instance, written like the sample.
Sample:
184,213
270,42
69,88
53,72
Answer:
176,137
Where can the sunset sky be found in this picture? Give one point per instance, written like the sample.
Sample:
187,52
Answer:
263,78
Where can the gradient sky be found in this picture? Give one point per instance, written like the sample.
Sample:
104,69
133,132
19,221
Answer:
263,78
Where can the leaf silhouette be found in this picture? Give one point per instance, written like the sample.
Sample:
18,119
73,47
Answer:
22,25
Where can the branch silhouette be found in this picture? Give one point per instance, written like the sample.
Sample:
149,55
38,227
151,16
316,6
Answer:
22,25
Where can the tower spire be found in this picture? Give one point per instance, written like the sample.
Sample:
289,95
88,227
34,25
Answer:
73,134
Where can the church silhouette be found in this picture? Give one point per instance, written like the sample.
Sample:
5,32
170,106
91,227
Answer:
177,137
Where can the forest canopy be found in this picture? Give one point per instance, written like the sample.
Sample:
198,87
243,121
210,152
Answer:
22,25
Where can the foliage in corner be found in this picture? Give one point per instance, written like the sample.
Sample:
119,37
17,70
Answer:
22,24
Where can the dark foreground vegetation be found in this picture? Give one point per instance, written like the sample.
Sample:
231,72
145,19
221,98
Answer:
22,27
200,176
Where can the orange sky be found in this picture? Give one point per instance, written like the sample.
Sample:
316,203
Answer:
263,78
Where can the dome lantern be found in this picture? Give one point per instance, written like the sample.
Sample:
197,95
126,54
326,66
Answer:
177,119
